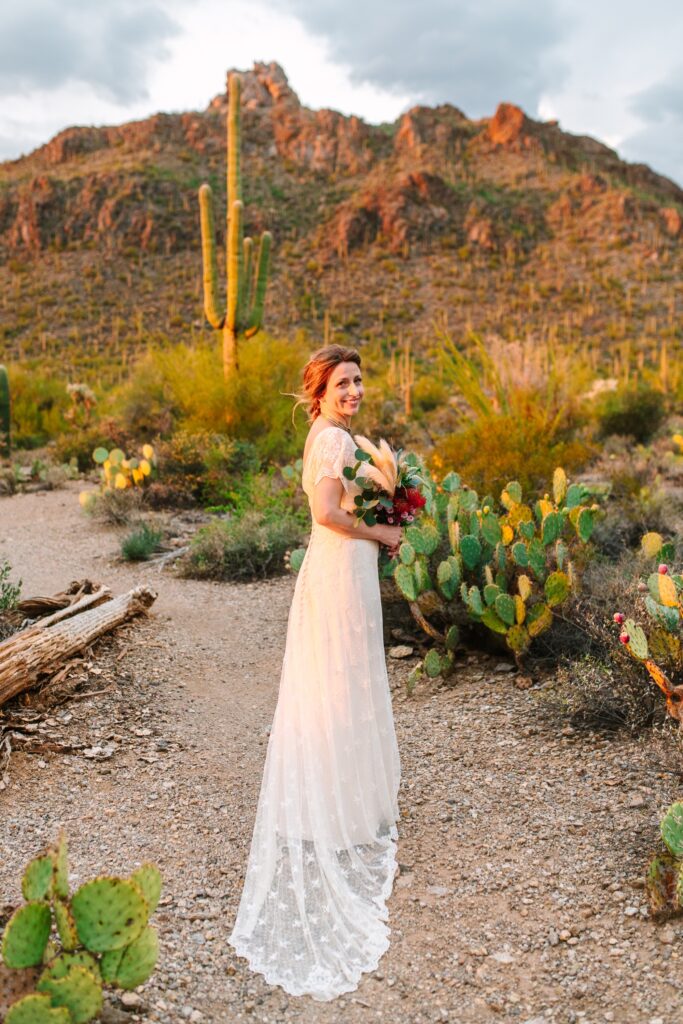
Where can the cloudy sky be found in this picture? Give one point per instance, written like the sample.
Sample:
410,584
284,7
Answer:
607,68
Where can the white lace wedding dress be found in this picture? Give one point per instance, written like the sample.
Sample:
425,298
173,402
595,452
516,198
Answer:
322,862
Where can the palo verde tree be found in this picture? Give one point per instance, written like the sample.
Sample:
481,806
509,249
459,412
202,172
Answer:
246,272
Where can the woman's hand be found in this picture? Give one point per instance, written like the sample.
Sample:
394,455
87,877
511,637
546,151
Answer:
392,536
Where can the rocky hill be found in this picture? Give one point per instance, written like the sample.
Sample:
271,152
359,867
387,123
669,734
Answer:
503,224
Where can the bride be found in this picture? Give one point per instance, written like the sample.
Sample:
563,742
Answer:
312,913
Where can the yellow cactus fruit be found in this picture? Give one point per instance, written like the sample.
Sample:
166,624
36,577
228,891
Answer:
546,506
138,476
120,481
508,534
524,587
678,439
651,544
148,451
145,467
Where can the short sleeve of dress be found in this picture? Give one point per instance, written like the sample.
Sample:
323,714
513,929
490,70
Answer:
334,450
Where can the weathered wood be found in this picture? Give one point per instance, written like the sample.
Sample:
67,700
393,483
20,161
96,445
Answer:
37,652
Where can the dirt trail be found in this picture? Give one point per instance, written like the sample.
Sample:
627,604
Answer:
521,848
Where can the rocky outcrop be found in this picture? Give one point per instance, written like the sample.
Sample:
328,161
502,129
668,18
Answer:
443,129
510,127
412,209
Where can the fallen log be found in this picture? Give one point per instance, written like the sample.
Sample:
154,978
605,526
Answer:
35,653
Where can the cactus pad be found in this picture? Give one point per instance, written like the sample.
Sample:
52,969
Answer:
491,529
296,558
672,829
109,913
670,618
637,643
37,1009
539,618
651,544
517,639
493,621
139,959
512,494
505,608
527,529
663,589
556,588
662,881
148,879
35,884
66,926
432,664
584,525
520,554
406,553
109,964
61,866
552,527
79,991
559,485
62,964
470,549
524,587
26,934
406,582
448,577
452,638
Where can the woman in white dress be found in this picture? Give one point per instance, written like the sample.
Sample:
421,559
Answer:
322,861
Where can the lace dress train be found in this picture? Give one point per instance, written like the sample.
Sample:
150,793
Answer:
312,914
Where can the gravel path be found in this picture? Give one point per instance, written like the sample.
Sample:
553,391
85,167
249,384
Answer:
522,847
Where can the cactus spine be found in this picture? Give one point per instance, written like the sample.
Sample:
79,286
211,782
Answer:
246,273
4,412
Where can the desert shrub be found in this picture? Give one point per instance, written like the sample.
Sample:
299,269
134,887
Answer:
635,412
244,547
79,444
205,465
39,402
141,543
115,507
9,592
597,683
521,410
183,388
520,446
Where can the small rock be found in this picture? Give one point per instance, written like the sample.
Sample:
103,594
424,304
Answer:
666,936
131,1000
439,890
402,651
503,957
504,666
636,800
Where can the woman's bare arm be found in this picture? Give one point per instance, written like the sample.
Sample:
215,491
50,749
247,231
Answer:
327,495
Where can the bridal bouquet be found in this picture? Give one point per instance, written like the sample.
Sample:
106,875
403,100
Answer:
390,491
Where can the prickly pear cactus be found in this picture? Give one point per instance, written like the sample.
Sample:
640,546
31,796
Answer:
664,877
505,565
659,645
41,983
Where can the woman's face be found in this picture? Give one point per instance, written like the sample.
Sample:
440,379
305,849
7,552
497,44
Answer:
344,390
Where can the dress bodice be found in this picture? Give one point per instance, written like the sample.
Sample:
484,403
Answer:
331,450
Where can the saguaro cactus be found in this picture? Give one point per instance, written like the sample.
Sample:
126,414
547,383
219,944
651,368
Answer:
4,412
246,273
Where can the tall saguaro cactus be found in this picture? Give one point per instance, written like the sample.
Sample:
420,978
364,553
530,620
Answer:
246,272
4,412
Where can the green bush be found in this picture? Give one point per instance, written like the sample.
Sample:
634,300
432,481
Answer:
250,546
39,401
9,592
141,543
636,412
209,466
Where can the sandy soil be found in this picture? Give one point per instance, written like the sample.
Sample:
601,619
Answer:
522,845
